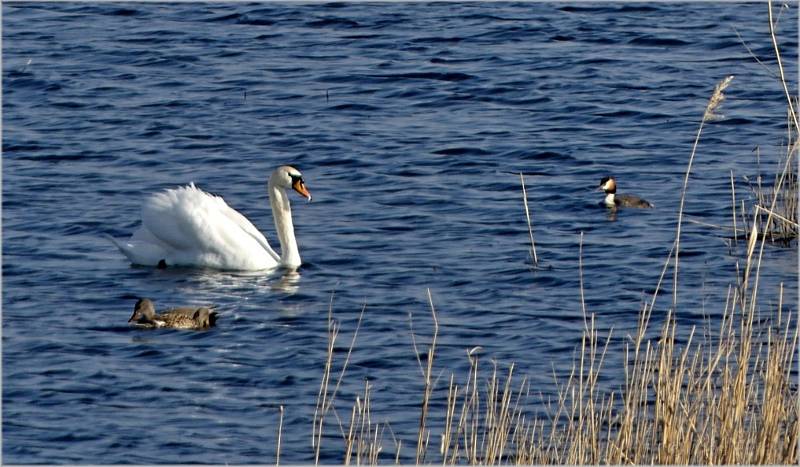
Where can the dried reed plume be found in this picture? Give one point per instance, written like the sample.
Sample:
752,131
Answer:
713,104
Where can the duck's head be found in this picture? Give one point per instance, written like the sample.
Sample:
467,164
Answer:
608,184
205,318
143,311
287,177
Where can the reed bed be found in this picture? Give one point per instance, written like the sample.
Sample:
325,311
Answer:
726,393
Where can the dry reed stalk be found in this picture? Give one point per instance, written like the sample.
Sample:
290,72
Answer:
774,38
349,443
791,193
789,222
580,279
280,432
489,431
744,220
322,395
423,434
708,115
326,398
733,205
528,217
364,439
782,197
447,434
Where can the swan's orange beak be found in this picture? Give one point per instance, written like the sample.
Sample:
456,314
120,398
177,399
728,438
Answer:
299,186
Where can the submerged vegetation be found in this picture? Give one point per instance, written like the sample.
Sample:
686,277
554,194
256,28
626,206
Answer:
723,394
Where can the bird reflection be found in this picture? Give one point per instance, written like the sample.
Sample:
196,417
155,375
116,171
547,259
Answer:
234,283
288,283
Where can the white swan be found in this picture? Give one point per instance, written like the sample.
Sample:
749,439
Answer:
186,226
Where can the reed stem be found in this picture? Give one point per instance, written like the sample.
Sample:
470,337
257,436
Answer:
528,217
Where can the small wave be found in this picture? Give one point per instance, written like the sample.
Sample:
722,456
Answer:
450,61
550,156
250,21
653,41
223,18
594,60
72,438
68,105
734,121
361,37
461,151
636,8
356,107
173,104
437,76
333,23
262,37
585,9
619,113
9,149
123,12
437,40
84,156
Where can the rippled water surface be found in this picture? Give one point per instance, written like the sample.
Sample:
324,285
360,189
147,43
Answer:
411,123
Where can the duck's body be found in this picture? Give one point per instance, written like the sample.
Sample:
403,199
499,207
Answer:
614,200
186,226
144,315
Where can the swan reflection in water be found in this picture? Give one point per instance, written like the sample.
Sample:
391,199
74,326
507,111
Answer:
288,283
232,284
240,297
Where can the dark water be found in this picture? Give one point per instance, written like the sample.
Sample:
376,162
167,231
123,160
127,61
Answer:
410,123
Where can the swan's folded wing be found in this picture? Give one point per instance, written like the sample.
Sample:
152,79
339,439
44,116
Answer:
244,223
192,222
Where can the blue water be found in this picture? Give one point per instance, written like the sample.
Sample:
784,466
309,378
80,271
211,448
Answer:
411,123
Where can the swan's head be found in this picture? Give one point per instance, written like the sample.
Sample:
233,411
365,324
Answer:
287,177
608,184
143,311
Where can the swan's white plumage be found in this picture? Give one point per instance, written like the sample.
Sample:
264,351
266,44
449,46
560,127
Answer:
187,226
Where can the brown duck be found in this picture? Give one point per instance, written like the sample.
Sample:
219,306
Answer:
144,315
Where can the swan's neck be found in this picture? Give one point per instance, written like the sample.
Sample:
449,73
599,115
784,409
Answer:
282,213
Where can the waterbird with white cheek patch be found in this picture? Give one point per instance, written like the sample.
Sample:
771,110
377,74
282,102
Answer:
614,200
